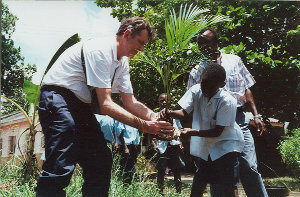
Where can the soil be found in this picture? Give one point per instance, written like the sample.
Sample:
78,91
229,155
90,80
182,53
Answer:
187,178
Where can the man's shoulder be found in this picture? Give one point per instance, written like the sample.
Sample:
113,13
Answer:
199,67
231,56
100,43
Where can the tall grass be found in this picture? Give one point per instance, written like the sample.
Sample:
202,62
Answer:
143,183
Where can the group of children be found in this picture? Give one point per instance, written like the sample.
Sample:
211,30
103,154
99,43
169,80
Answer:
216,139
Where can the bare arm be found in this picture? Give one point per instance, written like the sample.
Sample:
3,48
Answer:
215,132
137,108
109,107
250,101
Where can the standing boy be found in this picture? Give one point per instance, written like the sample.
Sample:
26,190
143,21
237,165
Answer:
169,153
221,139
238,83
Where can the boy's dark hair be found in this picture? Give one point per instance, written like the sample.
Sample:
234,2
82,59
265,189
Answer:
215,73
216,37
136,25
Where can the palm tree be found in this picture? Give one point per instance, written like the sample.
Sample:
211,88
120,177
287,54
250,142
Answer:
180,30
28,161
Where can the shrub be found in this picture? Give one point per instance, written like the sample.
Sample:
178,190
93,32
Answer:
290,151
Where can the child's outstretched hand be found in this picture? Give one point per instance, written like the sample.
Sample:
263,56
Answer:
163,114
184,131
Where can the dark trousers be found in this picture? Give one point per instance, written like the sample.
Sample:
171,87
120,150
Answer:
72,135
224,171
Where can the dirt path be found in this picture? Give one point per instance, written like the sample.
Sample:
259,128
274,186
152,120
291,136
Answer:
187,178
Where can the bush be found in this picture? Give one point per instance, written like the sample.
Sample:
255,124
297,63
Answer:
290,151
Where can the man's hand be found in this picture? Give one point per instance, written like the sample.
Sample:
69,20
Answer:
157,127
260,126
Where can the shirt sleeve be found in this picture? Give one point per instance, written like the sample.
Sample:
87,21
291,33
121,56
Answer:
188,99
226,112
122,82
248,78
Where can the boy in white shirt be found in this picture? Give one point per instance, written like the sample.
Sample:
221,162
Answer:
216,138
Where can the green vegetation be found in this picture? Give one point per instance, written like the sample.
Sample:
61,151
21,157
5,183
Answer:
30,90
290,151
13,70
265,34
180,29
11,183
292,183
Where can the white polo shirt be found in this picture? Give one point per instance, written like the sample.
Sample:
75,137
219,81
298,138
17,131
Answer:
101,64
219,110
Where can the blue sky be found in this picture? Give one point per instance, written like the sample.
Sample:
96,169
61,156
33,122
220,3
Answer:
44,25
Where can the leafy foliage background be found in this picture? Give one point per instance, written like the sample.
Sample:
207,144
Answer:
265,34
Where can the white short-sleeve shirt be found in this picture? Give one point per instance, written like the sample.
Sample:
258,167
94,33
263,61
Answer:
219,110
102,66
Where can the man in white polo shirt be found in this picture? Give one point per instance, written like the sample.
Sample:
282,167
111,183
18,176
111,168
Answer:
72,133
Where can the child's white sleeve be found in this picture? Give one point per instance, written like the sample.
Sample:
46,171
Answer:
188,99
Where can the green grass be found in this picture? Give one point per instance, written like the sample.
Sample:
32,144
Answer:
290,182
143,184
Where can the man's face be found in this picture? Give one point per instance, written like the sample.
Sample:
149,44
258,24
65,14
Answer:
137,43
207,44
209,88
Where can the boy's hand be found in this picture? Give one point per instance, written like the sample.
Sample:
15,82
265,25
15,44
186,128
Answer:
184,131
116,147
164,114
126,151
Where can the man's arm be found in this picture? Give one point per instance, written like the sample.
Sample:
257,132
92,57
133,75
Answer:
249,98
137,108
109,107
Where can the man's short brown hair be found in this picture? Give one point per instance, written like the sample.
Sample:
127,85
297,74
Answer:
136,25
